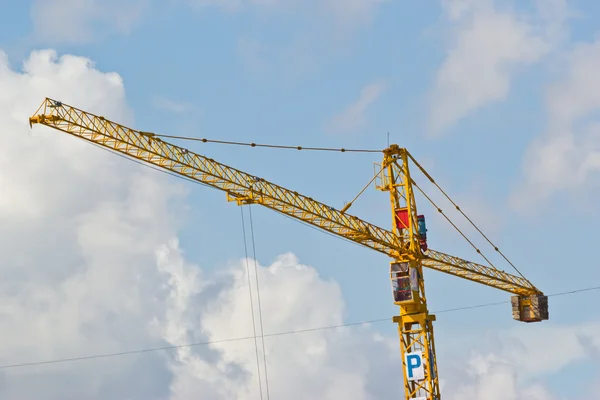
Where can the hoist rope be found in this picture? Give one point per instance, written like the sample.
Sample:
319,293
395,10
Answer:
262,331
348,205
273,146
465,215
251,304
453,224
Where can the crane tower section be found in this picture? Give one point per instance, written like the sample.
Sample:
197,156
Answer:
415,324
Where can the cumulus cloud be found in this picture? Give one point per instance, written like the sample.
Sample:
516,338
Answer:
91,264
487,47
567,154
307,365
518,363
79,21
489,377
353,117
76,240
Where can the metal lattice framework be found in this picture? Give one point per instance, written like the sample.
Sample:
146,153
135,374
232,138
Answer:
246,188
402,243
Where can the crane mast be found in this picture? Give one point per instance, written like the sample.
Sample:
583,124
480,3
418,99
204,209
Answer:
415,324
406,244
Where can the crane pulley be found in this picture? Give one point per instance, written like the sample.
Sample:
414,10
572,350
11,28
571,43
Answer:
406,244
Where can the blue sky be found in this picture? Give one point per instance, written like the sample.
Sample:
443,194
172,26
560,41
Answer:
473,96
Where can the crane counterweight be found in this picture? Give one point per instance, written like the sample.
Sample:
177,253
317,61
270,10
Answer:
532,308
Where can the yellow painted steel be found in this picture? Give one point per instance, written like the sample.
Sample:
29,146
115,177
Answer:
415,326
401,245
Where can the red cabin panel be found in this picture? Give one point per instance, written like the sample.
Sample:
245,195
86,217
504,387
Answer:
402,218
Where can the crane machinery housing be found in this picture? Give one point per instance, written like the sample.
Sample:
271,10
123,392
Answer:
405,243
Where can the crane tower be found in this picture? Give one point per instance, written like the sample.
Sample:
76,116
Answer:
405,244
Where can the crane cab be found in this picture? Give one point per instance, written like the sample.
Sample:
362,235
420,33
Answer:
405,284
403,222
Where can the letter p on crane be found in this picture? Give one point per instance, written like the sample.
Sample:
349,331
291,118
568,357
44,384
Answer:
415,370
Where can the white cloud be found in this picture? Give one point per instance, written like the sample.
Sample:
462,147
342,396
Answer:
517,364
76,239
489,377
90,264
567,154
353,117
488,47
315,364
78,21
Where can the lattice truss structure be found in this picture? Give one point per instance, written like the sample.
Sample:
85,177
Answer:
405,244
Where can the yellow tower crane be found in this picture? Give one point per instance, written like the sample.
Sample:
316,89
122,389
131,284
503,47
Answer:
405,244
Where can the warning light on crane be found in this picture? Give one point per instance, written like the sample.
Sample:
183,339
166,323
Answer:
406,244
